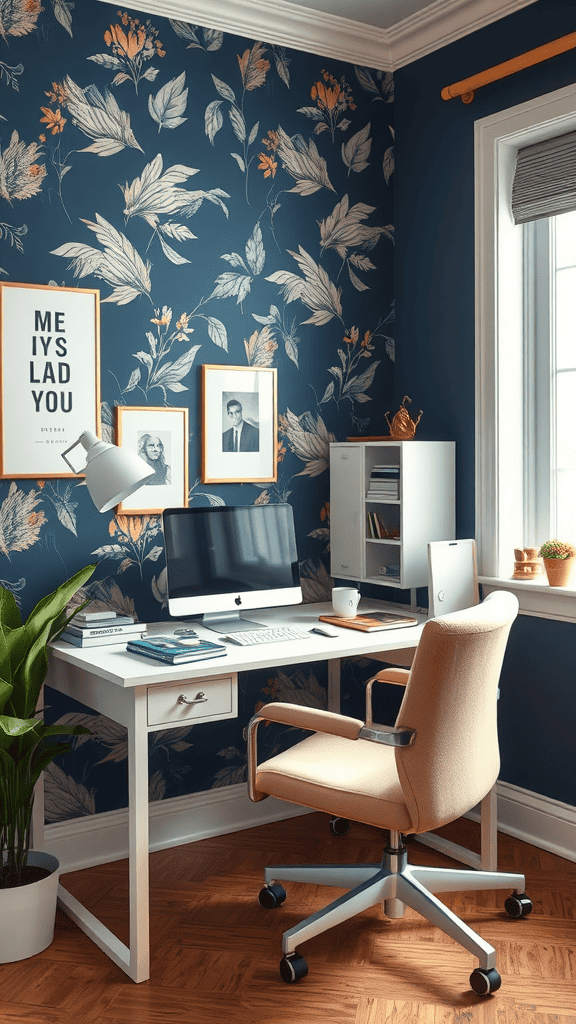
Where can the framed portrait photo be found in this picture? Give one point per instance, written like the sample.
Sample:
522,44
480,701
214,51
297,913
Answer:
160,437
49,375
239,424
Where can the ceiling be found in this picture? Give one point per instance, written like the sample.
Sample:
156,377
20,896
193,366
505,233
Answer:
380,34
383,14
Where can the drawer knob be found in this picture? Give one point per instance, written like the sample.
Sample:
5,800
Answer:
200,698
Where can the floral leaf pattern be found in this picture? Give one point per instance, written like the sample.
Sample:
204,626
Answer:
100,118
302,160
167,107
315,290
117,263
20,523
18,17
63,13
21,175
310,440
174,167
356,151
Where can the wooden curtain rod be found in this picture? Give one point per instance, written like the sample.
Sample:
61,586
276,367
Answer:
468,86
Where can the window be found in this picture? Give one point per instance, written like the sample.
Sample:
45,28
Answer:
550,378
525,357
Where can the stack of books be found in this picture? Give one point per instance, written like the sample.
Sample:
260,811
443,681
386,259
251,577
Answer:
376,528
384,483
96,629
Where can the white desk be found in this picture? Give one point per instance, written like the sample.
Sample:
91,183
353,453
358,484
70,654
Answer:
143,696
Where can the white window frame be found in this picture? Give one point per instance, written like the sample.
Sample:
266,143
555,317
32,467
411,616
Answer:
500,387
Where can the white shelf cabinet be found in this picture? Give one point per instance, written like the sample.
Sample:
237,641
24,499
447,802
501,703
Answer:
424,510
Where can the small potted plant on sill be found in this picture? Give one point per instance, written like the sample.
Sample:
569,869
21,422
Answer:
28,878
559,561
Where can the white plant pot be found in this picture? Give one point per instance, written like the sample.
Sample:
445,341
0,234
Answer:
28,912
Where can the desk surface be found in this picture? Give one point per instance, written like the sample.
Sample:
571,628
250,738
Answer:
114,663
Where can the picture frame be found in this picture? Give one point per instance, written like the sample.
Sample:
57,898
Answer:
239,405
49,376
159,435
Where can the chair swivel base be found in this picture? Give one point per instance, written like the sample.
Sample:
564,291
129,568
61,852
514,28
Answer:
396,885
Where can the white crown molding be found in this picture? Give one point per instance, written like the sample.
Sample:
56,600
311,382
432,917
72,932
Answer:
444,22
329,35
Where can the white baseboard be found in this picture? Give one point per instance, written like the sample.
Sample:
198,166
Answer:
539,820
101,838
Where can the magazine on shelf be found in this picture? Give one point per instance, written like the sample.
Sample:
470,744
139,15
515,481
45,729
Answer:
372,621
173,651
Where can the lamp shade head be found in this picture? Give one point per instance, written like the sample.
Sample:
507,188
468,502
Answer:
112,473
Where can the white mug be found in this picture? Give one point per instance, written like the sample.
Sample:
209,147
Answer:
345,601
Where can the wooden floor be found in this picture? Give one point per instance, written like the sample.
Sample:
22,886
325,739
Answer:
215,951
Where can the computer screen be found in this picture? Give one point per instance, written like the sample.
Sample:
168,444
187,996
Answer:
223,559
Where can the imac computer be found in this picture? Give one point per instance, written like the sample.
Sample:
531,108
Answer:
222,560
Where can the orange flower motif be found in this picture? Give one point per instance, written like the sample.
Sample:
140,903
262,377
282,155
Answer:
272,141
326,97
162,321
130,44
280,451
267,164
365,343
53,119
58,94
352,338
40,484
42,138
325,511
37,170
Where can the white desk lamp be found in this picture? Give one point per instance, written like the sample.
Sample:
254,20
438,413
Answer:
112,473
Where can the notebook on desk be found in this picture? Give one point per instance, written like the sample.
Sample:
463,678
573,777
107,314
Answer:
372,621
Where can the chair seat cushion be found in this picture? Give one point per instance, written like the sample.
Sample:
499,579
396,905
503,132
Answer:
354,779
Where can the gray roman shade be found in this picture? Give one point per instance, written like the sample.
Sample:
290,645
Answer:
545,179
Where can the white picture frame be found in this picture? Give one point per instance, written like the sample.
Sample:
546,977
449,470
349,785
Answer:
49,376
243,397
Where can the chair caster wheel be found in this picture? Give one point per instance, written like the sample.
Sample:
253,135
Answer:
483,983
518,905
339,826
293,967
272,895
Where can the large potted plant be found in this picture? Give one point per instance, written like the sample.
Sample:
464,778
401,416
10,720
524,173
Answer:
28,878
559,561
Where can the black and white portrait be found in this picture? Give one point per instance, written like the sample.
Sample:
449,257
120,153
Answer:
241,422
154,448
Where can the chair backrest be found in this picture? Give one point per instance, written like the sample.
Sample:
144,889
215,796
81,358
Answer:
450,701
452,576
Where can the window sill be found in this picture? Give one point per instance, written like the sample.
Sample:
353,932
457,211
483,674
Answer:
536,597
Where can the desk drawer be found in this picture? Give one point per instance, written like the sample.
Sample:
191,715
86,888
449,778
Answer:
209,700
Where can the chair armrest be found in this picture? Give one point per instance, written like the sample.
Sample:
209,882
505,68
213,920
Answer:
396,676
388,734
313,719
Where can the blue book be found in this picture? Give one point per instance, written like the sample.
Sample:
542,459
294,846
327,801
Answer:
174,651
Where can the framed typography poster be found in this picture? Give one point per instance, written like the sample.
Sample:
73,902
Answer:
49,375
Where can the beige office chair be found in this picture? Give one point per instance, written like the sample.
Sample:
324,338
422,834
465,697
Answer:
436,763
452,585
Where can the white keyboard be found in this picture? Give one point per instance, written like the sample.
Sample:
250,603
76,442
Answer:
267,636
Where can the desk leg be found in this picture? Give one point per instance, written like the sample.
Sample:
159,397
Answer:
333,696
134,959
138,840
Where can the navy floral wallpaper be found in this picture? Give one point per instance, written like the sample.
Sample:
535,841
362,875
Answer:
232,201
